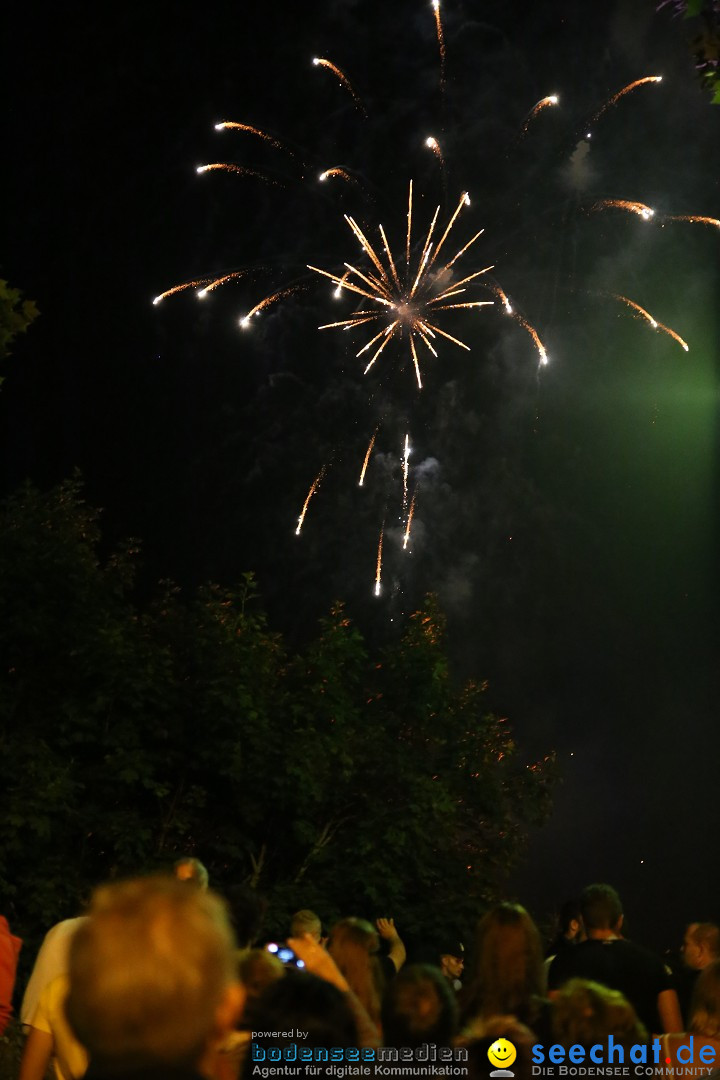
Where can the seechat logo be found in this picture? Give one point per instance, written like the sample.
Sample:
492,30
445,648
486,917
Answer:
501,1054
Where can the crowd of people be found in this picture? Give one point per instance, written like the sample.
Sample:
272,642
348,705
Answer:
163,976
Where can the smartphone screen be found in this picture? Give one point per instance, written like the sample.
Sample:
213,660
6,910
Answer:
285,953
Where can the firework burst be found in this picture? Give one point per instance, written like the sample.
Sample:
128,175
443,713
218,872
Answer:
410,283
408,300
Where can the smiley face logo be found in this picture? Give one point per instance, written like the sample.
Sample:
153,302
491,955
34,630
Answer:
502,1053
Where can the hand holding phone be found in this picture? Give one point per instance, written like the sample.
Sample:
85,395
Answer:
285,953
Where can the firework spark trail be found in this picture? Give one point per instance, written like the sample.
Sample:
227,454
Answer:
318,61
626,90
464,201
268,300
409,521
241,170
232,125
181,288
441,41
344,283
636,307
543,103
673,334
371,342
389,334
699,218
653,322
206,284
357,319
313,488
427,245
378,569
469,304
462,251
432,144
502,296
406,468
343,279
336,170
421,270
643,211
647,212
391,261
416,362
534,335
367,458
423,337
456,285
368,248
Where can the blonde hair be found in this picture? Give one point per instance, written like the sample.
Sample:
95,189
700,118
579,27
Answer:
196,872
148,969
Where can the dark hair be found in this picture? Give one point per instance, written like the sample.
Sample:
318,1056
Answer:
304,1001
600,907
568,913
419,1006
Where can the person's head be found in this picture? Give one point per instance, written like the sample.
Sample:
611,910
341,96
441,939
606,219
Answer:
419,1006
507,972
705,1003
701,945
307,1003
192,872
352,937
257,969
451,959
152,974
353,944
481,1034
570,921
601,908
306,922
586,1013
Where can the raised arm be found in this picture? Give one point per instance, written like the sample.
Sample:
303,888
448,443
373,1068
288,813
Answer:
396,947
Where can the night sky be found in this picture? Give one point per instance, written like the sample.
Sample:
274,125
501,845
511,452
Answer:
566,515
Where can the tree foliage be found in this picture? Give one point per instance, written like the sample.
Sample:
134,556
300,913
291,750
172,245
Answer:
325,777
701,23
16,314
